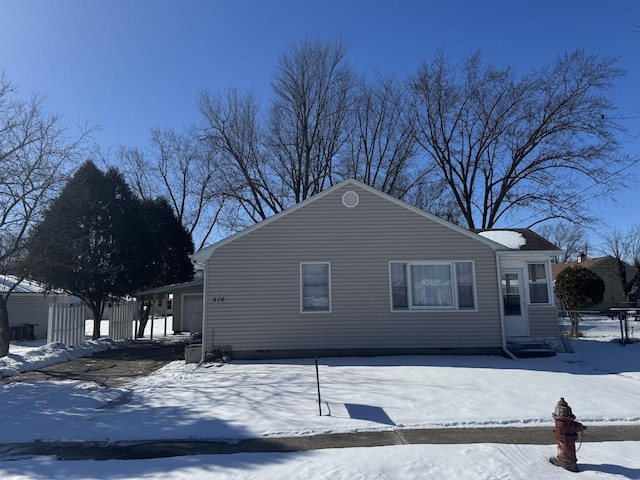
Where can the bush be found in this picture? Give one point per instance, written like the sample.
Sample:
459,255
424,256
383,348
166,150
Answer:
579,289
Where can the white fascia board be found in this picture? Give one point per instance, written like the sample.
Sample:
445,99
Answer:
530,253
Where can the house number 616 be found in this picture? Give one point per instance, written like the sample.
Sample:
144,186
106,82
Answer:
217,299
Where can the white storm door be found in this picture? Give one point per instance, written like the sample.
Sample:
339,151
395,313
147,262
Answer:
515,315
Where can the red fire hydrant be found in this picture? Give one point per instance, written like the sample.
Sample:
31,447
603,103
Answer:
566,434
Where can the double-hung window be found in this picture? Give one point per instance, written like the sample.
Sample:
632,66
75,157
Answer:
465,285
315,287
538,283
432,285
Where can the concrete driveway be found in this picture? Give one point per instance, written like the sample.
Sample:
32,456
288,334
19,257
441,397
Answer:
111,368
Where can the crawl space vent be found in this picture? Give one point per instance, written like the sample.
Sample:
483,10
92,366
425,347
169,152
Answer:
350,199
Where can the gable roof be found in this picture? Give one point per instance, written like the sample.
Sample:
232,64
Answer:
556,268
532,240
203,254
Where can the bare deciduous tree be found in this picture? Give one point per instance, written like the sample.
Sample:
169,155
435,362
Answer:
624,247
36,154
382,149
382,146
568,237
432,195
308,118
232,130
508,146
181,168
187,170
139,172
270,163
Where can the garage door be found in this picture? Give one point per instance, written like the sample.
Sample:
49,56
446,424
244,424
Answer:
192,312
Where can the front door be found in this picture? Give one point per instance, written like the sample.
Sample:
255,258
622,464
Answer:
515,316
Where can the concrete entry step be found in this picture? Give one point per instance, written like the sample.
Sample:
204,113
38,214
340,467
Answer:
531,349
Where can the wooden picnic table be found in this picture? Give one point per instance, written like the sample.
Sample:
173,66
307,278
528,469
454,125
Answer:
623,314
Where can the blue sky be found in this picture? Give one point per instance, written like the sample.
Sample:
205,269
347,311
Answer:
133,65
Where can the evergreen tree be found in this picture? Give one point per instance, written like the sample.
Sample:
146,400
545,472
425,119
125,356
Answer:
171,244
171,241
93,241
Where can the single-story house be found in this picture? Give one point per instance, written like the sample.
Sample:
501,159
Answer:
353,271
182,300
607,269
28,307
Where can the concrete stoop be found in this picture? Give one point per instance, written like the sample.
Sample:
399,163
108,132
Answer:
531,349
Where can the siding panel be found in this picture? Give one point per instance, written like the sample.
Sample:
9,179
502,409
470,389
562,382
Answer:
258,276
543,321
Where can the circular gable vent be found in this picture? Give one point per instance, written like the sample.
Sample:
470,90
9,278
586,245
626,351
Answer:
350,199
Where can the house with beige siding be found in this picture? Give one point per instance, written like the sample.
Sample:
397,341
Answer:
353,271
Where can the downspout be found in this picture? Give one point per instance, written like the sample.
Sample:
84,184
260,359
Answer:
203,356
503,334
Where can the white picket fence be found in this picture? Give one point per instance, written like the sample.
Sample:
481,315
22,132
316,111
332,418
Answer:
123,319
67,322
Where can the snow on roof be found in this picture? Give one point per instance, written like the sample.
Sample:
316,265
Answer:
508,238
26,286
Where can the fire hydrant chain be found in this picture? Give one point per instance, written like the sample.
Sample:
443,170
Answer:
581,438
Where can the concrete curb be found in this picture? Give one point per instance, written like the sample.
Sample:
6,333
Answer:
171,448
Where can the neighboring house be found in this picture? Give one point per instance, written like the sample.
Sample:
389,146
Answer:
182,300
354,271
28,308
607,269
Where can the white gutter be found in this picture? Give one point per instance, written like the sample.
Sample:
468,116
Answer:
203,356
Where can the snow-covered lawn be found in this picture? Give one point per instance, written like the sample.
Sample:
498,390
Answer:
601,382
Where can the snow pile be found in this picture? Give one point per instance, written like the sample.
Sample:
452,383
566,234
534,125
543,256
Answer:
35,354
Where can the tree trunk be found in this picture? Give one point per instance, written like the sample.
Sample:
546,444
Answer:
144,317
96,312
5,330
575,325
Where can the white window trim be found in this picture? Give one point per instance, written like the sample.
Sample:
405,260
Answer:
313,312
547,272
454,308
